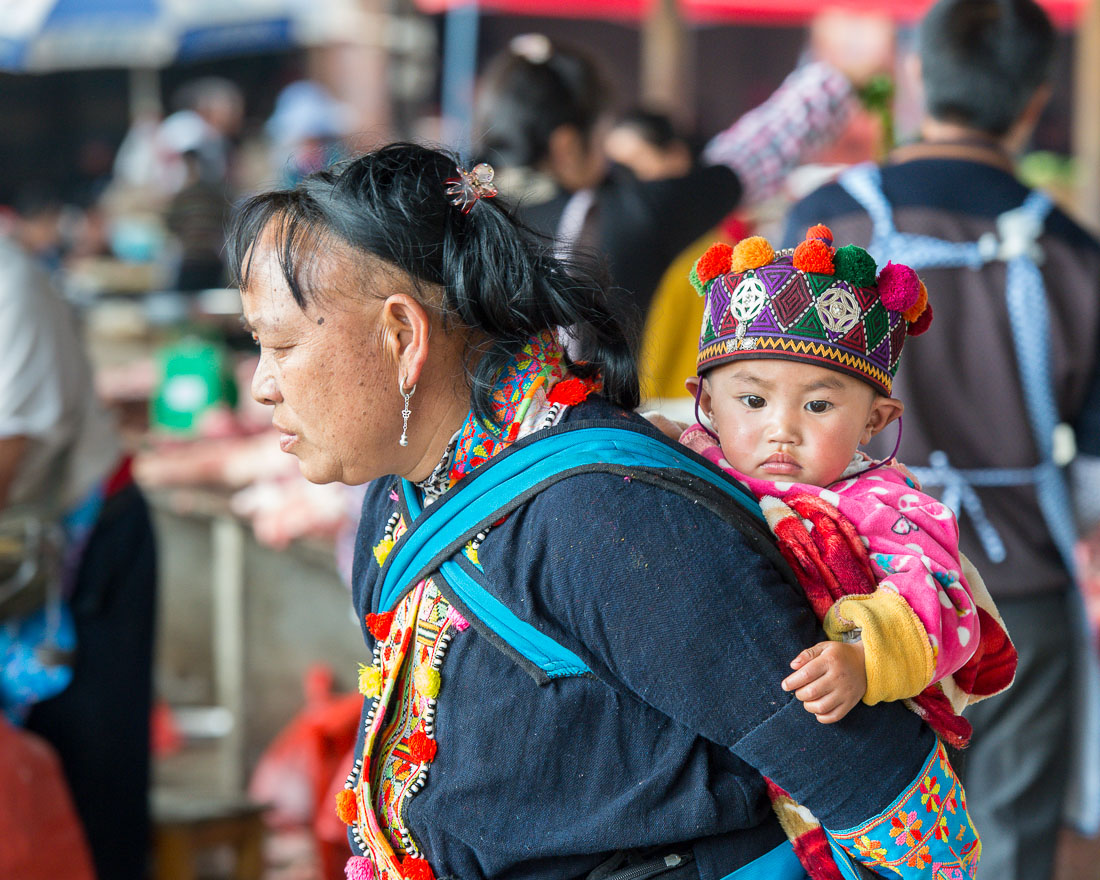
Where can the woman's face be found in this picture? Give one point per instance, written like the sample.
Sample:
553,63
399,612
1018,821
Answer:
322,370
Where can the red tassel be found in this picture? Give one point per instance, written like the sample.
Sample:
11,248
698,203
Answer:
422,748
379,624
416,869
569,392
346,807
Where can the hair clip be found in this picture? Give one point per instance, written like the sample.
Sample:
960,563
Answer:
532,48
469,186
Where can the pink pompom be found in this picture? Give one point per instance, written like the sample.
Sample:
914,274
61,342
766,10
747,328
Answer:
359,868
898,286
460,622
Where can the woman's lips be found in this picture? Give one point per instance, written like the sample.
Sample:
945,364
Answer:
286,438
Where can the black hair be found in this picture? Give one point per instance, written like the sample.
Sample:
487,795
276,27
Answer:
499,280
982,60
656,129
531,89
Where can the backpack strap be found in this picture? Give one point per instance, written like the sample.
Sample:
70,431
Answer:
436,536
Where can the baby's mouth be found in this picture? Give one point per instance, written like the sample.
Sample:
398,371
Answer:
780,463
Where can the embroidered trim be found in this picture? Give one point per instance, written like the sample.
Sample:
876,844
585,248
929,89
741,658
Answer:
926,827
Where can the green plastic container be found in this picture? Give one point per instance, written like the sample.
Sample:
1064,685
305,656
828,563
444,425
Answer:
194,378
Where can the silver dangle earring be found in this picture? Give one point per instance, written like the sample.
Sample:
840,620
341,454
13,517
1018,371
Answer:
406,412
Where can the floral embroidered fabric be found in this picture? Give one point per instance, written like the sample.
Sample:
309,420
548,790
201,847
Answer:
926,832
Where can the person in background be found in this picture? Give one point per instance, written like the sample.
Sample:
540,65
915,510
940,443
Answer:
306,131
543,113
60,460
648,143
1014,349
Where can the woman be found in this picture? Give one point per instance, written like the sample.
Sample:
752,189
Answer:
407,326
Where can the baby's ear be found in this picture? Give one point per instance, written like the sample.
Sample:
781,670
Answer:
883,411
691,383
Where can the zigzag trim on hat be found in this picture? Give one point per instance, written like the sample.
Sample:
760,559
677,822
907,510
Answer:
858,366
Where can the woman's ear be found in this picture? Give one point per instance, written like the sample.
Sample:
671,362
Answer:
883,411
406,328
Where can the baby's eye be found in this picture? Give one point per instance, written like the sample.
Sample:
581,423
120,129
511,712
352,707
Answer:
752,401
819,406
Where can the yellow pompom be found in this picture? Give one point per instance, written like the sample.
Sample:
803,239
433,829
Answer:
382,550
370,680
751,253
471,553
426,680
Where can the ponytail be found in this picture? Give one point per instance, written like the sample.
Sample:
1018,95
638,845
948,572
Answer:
500,281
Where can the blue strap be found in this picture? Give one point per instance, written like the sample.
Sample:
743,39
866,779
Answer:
778,864
518,472
864,184
1030,320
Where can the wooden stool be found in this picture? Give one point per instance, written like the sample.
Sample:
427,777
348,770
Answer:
184,826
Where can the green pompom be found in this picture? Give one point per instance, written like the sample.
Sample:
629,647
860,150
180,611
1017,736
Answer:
693,277
854,265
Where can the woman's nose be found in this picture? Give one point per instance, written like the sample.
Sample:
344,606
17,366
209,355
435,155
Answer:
265,389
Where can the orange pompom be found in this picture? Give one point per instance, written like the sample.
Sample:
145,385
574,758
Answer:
378,625
814,256
569,392
921,324
416,869
914,311
751,253
714,262
821,232
422,748
346,808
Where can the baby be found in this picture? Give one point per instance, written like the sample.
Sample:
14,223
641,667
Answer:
796,361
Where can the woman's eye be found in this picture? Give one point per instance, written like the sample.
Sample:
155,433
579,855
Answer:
752,401
819,406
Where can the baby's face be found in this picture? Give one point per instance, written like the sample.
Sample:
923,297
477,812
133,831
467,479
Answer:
788,421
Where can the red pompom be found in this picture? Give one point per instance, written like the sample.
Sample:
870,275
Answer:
714,262
379,624
422,748
416,869
820,232
898,287
921,324
346,807
814,256
569,392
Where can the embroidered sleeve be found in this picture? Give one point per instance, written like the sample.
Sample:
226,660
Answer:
761,147
926,832
896,648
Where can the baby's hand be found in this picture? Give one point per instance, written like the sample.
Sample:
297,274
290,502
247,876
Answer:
831,678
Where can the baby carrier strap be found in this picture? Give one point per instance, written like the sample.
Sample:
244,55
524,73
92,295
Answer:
1016,244
437,536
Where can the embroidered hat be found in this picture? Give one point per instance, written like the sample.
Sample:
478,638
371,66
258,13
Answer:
815,303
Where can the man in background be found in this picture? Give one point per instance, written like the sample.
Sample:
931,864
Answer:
1013,351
